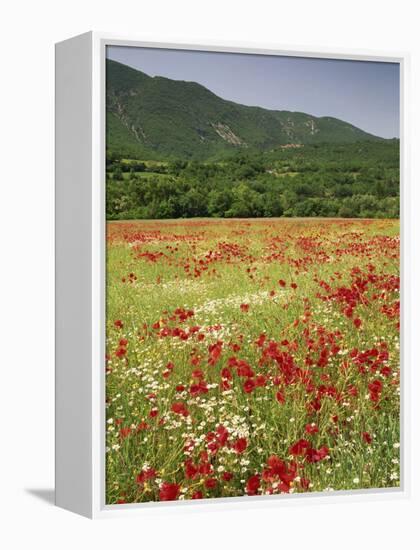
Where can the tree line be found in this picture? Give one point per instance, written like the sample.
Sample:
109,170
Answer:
360,180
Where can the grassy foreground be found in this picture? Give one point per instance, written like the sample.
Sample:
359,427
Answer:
250,357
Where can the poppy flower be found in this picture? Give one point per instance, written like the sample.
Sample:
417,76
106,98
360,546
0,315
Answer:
299,448
357,322
315,455
125,432
280,397
179,408
243,369
311,428
169,491
191,470
276,468
205,468
261,340
375,389
252,485
260,381
249,385
145,474
225,373
142,426
201,387
240,445
225,385
210,483
386,371
222,435
367,438
121,352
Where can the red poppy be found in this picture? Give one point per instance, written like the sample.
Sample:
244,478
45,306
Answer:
260,381
367,438
222,435
253,484
261,340
215,350
201,387
311,429
315,455
191,470
125,432
142,426
240,445
145,474
210,483
299,448
169,491
225,373
243,369
179,408
121,352
205,468
352,390
375,389
249,385
280,397
278,469
197,373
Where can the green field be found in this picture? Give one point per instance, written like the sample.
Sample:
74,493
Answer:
251,357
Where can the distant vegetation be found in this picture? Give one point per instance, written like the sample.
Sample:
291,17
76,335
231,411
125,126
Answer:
347,180
164,119
208,157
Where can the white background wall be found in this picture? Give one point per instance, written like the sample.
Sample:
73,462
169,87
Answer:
28,32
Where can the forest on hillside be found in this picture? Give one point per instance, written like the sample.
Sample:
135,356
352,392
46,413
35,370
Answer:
358,180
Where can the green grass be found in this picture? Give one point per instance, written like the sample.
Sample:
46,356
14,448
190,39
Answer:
248,259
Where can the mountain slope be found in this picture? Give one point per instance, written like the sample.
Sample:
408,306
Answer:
156,117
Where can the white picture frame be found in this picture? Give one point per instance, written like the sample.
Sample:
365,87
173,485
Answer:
80,276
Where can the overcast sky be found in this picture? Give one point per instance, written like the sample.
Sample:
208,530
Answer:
363,93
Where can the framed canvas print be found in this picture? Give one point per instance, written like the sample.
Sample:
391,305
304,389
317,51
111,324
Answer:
228,275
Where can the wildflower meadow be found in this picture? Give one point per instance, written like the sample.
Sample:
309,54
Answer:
251,357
